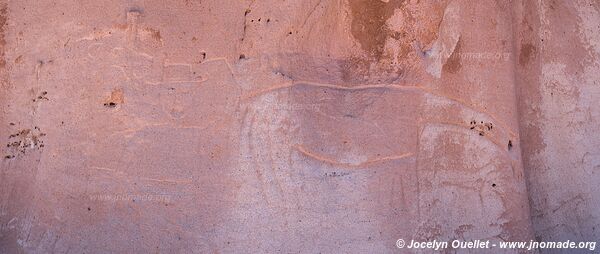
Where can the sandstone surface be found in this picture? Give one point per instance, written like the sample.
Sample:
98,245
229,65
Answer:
289,126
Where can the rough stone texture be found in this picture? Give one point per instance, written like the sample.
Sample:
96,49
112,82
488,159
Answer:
559,87
296,126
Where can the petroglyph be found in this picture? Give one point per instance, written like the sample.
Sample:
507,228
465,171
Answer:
136,65
350,165
290,122
439,101
120,175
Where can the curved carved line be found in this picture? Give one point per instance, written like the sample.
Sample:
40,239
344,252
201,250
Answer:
318,157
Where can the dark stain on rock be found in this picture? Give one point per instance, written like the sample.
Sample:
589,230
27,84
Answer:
527,51
368,26
481,127
23,141
155,34
453,63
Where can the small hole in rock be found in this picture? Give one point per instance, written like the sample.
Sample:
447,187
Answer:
110,104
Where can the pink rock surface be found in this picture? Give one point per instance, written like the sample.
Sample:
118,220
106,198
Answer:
296,126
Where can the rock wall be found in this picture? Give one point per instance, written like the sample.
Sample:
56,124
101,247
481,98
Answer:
558,85
295,126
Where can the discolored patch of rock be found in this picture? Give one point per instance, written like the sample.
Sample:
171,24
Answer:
24,140
369,23
116,98
3,20
453,63
527,52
